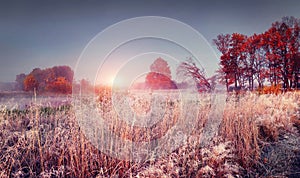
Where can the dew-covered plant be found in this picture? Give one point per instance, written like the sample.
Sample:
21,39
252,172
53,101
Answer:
258,137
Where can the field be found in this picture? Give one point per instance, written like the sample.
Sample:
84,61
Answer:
257,136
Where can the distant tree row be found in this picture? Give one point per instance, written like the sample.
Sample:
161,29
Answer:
57,79
272,56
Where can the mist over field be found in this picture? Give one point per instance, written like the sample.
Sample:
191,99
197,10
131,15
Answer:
150,89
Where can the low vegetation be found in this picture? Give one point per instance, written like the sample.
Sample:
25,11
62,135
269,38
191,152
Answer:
258,137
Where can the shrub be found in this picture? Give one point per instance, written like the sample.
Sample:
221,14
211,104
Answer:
273,89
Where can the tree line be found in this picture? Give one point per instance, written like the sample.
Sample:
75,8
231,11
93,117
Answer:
271,57
57,79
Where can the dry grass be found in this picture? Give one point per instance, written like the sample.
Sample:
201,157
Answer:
258,137
257,125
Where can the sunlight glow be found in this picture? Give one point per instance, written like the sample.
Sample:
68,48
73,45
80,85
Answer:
111,81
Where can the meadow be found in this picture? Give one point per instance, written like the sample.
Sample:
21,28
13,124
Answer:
258,136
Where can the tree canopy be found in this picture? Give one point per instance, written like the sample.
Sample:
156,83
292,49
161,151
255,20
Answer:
272,56
159,76
161,66
57,79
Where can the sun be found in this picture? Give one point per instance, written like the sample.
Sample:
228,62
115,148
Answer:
114,81
111,81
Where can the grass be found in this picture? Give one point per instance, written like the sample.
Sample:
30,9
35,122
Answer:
258,137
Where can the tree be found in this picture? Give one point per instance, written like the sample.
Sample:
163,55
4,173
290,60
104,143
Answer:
232,48
158,81
282,45
189,68
258,56
296,71
63,71
160,76
289,31
30,83
60,85
272,55
49,79
255,61
161,66
237,58
224,78
223,44
43,77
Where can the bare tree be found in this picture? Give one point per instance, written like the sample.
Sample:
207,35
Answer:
189,68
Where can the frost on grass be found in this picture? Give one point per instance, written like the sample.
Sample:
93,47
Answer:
258,136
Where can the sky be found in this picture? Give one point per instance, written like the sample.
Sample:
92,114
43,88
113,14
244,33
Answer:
50,33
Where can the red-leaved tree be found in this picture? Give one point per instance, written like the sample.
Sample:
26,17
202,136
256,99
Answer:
272,56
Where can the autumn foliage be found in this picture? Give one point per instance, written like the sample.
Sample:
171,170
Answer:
57,79
156,80
30,83
271,58
160,76
270,89
60,85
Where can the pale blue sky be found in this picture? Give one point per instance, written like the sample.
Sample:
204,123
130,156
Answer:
48,33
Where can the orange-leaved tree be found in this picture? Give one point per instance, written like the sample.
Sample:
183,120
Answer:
60,85
30,83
